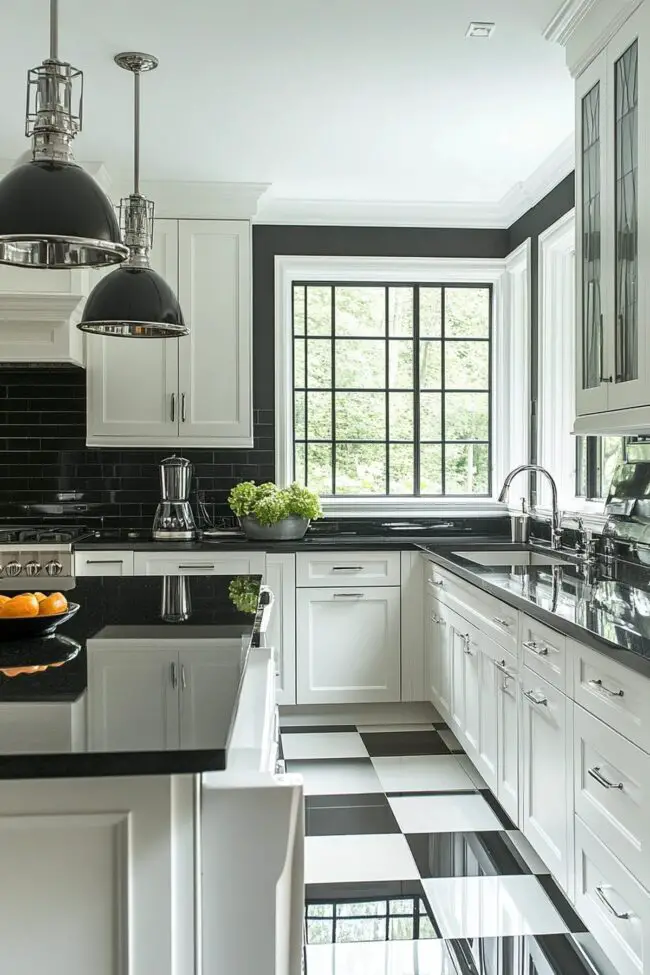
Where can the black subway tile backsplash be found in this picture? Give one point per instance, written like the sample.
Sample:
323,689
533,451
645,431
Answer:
43,452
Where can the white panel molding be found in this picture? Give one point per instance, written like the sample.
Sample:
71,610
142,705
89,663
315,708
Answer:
512,395
593,30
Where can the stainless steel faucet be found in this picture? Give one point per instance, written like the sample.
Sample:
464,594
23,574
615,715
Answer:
556,525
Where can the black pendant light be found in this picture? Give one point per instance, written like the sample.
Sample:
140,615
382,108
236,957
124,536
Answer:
53,214
133,301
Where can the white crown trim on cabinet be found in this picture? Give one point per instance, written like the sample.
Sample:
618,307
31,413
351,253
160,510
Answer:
566,18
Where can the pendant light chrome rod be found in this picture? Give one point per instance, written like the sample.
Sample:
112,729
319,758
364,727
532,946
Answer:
136,132
54,30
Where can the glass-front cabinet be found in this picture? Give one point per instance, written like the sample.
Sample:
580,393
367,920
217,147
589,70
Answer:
613,230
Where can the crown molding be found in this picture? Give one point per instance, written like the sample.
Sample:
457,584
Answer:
38,306
196,200
566,19
593,33
552,171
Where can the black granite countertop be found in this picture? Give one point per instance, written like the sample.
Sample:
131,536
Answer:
166,615
607,608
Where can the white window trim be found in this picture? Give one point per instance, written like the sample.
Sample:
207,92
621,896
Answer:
556,386
510,278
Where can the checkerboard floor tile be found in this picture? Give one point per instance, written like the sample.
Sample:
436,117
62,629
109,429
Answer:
412,867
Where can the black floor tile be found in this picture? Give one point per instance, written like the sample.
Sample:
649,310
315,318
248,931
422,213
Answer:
318,729
479,854
398,743
363,891
349,815
497,809
550,954
561,904
440,792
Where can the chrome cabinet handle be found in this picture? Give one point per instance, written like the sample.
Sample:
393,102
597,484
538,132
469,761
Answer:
437,582
501,666
537,698
104,561
347,568
539,648
597,682
596,774
174,675
501,621
624,916
183,680
173,407
348,595
466,640
438,620
198,565
183,417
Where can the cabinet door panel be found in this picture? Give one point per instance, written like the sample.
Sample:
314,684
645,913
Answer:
471,680
348,645
508,738
130,382
208,680
215,359
133,699
488,701
281,632
547,763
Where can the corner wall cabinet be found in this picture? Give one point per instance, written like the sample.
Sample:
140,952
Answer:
192,391
613,244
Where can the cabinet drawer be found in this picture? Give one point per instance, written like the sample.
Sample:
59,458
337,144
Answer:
103,563
615,694
348,569
544,651
198,563
611,791
613,905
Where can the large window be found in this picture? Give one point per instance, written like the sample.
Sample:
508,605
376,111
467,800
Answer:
392,388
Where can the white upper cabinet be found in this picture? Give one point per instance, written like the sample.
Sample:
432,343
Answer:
613,234
195,390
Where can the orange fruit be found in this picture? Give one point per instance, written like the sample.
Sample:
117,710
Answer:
40,596
4,599
52,605
20,606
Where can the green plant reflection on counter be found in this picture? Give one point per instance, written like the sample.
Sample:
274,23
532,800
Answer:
244,593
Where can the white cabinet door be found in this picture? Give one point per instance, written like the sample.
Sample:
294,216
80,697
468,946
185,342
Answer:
281,632
471,656
208,678
198,563
215,360
438,638
508,736
133,385
547,763
103,563
133,699
348,645
489,678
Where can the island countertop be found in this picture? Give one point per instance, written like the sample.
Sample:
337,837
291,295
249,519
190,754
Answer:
117,667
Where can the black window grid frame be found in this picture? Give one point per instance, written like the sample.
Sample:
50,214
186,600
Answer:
414,389
419,909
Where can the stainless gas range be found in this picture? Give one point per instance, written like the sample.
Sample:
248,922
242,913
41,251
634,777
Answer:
38,557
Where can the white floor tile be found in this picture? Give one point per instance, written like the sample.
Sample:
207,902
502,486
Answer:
450,740
532,860
468,766
387,957
421,773
336,777
378,728
337,744
443,814
490,907
359,858
359,714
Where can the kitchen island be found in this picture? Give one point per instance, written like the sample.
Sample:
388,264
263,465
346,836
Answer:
140,812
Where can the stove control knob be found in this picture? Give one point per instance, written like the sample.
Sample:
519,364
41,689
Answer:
13,568
54,568
33,568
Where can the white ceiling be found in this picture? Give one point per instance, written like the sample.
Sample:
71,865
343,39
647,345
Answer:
359,100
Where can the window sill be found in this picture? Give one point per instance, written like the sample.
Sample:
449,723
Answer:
412,507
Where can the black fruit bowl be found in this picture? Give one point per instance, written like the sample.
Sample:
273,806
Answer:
28,627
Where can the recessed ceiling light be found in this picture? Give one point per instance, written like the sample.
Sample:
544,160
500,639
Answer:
479,28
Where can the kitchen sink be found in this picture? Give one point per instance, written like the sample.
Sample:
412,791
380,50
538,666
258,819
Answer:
512,558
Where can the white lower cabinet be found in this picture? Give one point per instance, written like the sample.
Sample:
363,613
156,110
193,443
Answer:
281,633
508,735
103,563
438,653
613,905
348,645
546,767
198,563
487,758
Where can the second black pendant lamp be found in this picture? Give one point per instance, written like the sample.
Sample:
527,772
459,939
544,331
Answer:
133,301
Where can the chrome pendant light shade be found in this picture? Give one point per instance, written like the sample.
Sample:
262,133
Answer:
133,301
53,214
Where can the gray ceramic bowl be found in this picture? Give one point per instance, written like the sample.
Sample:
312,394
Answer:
287,530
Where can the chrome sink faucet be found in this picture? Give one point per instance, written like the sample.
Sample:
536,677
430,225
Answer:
556,519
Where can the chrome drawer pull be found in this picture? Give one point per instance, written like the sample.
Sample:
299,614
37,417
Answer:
606,690
540,649
501,666
466,640
348,595
625,916
596,774
198,565
501,621
437,582
347,568
104,561
536,698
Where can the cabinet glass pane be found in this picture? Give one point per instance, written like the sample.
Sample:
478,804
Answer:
591,311
626,241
